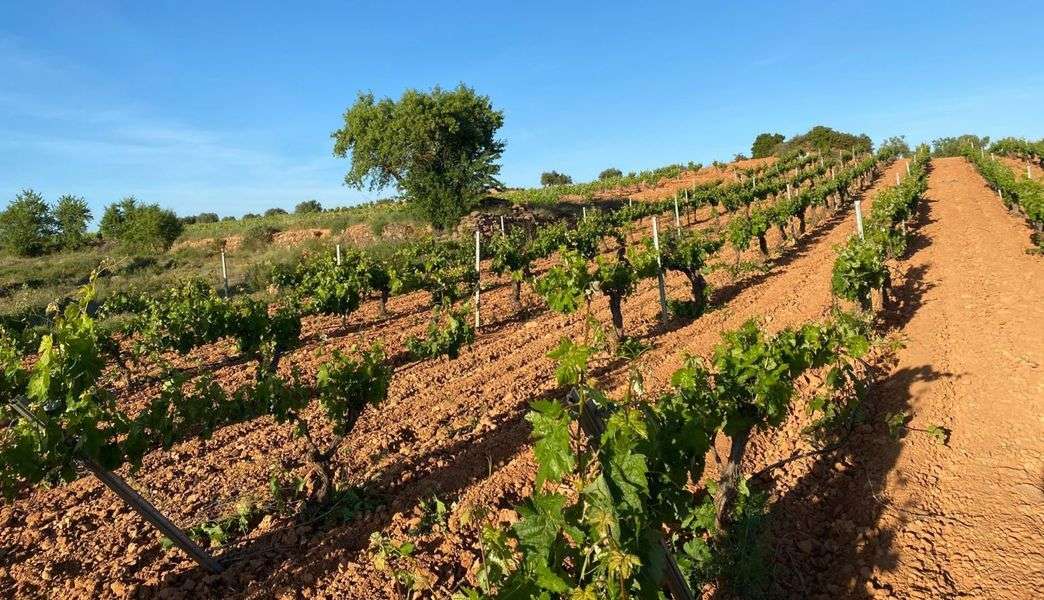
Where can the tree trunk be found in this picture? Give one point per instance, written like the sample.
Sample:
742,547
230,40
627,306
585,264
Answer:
782,231
801,221
763,245
866,303
699,291
516,294
383,311
730,476
615,304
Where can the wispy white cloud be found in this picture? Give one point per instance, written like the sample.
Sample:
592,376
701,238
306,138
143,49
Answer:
85,138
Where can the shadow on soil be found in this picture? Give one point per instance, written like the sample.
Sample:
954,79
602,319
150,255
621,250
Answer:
827,535
277,557
271,562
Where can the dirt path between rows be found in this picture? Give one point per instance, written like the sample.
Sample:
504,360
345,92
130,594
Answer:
967,519
912,518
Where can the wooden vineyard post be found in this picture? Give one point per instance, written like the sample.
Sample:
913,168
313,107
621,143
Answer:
907,168
592,422
896,179
338,255
1029,173
659,271
134,500
677,215
224,271
503,230
584,210
859,217
478,282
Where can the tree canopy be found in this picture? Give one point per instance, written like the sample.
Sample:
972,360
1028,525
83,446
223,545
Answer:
308,206
897,144
765,144
140,226
555,178
71,215
610,173
955,146
27,225
438,148
824,139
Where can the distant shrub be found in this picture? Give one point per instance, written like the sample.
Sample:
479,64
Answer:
258,235
272,212
140,226
377,225
249,216
207,218
308,206
228,218
555,178
338,224
610,173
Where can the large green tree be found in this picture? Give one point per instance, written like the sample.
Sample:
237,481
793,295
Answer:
439,148
26,226
824,139
71,215
765,144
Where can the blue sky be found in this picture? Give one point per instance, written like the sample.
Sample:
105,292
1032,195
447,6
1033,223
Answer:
214,106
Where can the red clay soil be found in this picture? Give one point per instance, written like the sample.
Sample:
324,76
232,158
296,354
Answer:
1018,165
965,519
687,179
455,429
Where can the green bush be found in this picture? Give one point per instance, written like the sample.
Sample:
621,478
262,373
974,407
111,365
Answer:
140,226
610,173
272,212
71,215
26,226
554,178
765,144
308,207
258,235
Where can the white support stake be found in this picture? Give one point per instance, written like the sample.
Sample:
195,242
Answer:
478,283
659,271
859,218
907,167
677,215
584,209
503,230
896,179
224,272
1029,174
338,255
